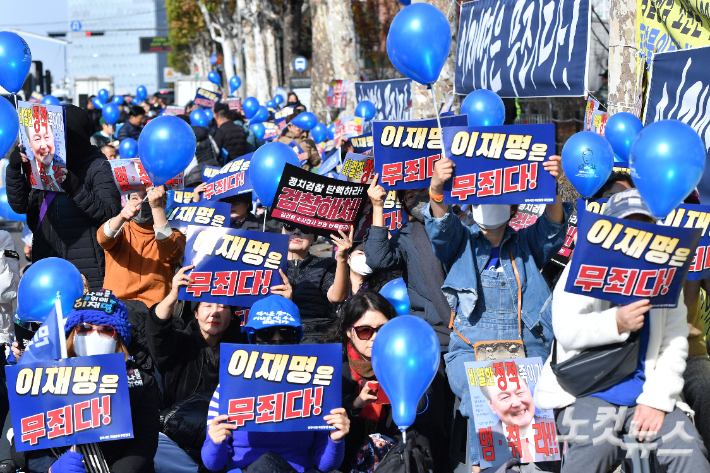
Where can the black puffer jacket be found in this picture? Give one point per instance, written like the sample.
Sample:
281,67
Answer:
249,223
90,198
232,138
311,278
206,155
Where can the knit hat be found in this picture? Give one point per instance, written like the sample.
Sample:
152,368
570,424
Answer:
100,308
273,311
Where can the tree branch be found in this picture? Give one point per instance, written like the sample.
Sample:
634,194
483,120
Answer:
209,21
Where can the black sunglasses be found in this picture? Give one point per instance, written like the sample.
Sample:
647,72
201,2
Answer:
288,334
290,228
365,332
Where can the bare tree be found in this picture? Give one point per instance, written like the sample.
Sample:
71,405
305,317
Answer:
225,28
292,15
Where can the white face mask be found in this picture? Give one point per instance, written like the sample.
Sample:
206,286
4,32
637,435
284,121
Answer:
490,216
358,263
93,344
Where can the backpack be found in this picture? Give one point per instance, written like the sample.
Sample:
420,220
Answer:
253,142
414,457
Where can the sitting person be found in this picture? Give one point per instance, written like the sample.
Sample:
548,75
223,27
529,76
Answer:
361,317
304,451
240,216
362,277
94,332
648,400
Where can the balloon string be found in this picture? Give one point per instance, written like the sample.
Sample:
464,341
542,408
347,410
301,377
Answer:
438,121
263,228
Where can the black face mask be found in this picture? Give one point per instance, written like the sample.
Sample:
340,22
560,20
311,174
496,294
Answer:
416,207
144,215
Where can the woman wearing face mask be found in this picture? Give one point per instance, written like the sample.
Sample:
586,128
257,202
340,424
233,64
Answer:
493,281
362,277
142,251
226,446
94,332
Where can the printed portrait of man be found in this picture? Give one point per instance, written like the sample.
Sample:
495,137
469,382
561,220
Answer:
42,145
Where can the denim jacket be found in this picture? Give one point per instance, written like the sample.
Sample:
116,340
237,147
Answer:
464,249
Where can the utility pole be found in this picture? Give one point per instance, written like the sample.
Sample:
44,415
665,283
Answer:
622,56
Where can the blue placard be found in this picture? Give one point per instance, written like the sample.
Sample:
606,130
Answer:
279,388
205,98
694,216
232,179
213,214
523,48
43,136
208,172
233,267
401,148
500,164
302,155
72,401
330,162
357,168
363,144
624,261
392,98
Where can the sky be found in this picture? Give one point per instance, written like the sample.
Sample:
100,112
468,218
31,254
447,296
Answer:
40,17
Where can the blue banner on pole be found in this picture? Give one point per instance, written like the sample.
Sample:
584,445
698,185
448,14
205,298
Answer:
405,151
330,162
232,179
523,48
233,267
623,261
206,98
214,214
279,388
392,98
72,401
500,164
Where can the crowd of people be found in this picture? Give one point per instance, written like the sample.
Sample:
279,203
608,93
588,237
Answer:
469,275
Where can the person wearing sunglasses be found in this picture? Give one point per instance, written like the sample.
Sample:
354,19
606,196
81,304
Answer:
273,320
361,318
317,282
90,332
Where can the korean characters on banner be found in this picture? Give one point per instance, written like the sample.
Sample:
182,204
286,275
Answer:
234,103
694,216
562,257
338,93
71,401
594,119
43,139
405,151
394,214
357,168
232,179
205,98
233,267
623,261
317,204
526,215
271,131
505,434
363,144
348,127
500,165
213,214
208,172
130,176
185,196
174,110
280,116
36,97
279,388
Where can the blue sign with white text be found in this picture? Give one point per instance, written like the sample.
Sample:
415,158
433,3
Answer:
232,179
214,214
279,388
71,401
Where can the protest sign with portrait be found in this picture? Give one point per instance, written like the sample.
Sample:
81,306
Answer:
43,139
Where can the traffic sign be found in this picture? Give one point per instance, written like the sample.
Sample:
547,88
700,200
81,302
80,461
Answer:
76,25
170,74
300,63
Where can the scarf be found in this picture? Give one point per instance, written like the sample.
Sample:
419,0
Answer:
362,369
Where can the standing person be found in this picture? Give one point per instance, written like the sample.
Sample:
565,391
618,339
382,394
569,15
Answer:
310,158
648,400
103,137
292,99
229,136
493,283
109,151
240,214
206,154
132,127
94,115
64,224
9,282
252,142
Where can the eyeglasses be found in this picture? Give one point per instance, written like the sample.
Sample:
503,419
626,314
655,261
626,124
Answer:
105,331
365,332
288,334
290,228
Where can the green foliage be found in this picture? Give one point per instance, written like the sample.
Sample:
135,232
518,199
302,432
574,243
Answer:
185,22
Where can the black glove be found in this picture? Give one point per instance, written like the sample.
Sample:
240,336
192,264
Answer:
15,159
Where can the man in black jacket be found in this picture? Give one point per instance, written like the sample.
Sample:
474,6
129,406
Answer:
64,224
132,127
206,154
229,136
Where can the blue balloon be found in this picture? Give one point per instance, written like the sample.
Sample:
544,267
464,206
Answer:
366,110
141,93
419,41
667,160
405,2
587,159
250,106
97,103
214,77
259,130
319,133
396,293
15,61
405,357
267,165
261,115
214,58
103,95
210,115
198,117
39,286
270,104
6,211
50,100
620,131
128,149
166,146
234,83
111,113
9,126
305,121
331,131
278,99
117,99
484,108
